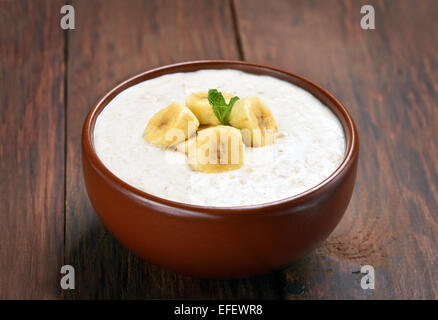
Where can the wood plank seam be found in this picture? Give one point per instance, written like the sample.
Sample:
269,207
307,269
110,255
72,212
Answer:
66,50
236,30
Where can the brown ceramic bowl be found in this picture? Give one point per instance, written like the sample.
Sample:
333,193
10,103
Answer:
225,242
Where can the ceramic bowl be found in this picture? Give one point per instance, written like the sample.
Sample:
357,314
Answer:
220,242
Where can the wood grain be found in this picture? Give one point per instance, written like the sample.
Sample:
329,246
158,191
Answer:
113,41
31,149
387,78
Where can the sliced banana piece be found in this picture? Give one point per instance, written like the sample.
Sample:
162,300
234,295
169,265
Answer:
185,146
198,103
170,126
255,120
217,149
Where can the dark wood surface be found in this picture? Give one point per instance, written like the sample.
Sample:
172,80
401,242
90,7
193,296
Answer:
49,78
31,149
388,79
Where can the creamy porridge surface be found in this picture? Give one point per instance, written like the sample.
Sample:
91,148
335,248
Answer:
310,142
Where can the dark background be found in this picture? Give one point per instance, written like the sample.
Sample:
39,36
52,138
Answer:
49,78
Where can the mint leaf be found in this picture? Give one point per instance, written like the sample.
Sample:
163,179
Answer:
229,107
215,98
221,109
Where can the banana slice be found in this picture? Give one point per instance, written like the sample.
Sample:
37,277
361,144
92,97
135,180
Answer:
255,121
185,146
198,103
217,149
170,126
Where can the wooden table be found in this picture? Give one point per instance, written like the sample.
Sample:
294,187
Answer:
49,78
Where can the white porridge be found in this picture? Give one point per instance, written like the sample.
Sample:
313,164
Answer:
309,144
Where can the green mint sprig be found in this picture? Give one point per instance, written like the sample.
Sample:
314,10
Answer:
221,109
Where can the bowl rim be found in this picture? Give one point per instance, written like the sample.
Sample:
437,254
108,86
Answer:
351,153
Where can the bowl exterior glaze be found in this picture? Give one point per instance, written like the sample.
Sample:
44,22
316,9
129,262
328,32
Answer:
220,243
